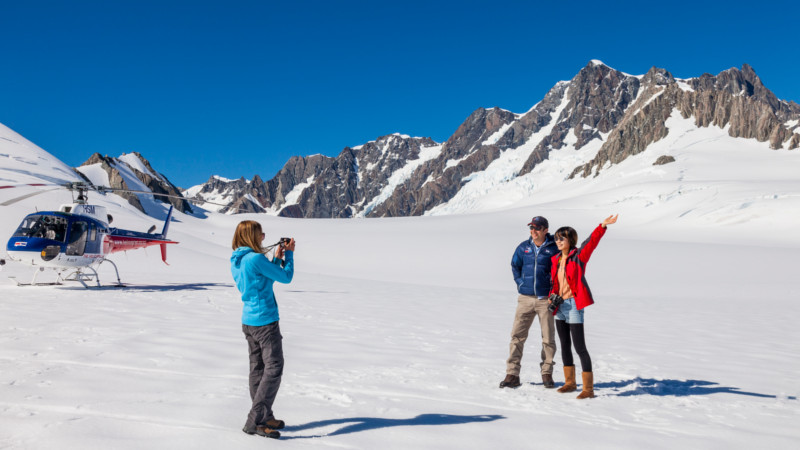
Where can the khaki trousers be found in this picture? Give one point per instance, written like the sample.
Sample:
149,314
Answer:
529,307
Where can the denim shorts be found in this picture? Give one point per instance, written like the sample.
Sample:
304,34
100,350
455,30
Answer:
569,312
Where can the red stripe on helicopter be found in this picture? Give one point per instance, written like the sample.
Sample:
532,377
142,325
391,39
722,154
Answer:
143,240
122,243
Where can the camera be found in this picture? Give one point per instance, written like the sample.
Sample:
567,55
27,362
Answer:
555,302
284,241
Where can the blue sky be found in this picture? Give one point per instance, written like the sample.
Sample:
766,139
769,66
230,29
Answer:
235,88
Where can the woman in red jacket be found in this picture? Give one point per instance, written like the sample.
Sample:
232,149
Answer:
568,271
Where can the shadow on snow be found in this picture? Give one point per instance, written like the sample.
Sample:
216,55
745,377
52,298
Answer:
174,287
357,424
676,388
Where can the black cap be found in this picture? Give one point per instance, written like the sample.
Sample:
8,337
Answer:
540,222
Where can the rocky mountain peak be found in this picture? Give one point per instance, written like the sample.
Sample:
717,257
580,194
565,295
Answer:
321,186
734,98
118,169
596,101
657,77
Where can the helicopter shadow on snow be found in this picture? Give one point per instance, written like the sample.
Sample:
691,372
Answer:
154,287
303,291
676,388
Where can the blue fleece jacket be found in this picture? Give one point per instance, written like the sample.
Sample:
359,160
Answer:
254,275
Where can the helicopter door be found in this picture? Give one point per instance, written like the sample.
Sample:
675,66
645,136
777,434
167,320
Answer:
93,244
77,238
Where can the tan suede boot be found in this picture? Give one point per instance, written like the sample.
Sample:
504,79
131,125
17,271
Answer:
569,380
588,386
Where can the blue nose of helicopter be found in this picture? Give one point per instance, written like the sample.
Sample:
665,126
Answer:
23,248
25,244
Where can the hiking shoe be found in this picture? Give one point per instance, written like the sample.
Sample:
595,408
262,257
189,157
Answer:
275,424
263,431
511,381
547,380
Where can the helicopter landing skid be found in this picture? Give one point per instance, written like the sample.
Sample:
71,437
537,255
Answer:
82,277
15,280
79,275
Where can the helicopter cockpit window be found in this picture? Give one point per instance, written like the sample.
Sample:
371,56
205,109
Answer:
28,227
47,227
77,238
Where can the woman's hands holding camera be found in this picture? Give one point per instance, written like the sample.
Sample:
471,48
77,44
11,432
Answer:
285,244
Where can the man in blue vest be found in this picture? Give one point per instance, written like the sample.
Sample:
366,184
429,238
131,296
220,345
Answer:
530,266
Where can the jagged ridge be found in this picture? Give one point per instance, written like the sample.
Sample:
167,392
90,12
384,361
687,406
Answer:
399,176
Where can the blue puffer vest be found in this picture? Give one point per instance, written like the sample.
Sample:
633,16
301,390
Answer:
532,271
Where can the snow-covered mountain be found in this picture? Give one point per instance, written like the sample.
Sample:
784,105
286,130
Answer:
23,162
349,185
681,358
133,171
601,118
598,119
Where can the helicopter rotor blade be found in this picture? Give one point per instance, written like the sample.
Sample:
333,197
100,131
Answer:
29,195
81,186
23,185
190,200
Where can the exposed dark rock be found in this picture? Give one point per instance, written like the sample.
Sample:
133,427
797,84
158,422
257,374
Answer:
664,159
158,184
438,180
597,99
734,98
327,187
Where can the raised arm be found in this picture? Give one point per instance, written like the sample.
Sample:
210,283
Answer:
588,246
609,220
275,271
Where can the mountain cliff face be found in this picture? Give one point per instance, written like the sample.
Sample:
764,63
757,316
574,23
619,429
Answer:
319,186
620,115
735,99
132,171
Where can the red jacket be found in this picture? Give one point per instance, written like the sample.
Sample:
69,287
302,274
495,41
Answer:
576,269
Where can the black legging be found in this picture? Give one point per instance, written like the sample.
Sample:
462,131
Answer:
576,330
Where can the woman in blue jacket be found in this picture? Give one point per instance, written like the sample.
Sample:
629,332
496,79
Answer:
254,274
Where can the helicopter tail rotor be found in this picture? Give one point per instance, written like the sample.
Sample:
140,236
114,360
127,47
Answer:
163,234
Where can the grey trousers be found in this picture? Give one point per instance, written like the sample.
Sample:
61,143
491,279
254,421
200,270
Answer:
528,308
266,368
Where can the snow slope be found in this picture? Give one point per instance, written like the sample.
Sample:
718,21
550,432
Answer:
396,330
23,162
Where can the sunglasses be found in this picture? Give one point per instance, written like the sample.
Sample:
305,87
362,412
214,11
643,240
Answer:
534,227
560,238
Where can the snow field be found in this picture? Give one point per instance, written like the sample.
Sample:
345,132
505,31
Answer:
698,361
396,331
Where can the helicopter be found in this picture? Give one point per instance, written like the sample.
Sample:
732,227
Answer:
77,237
